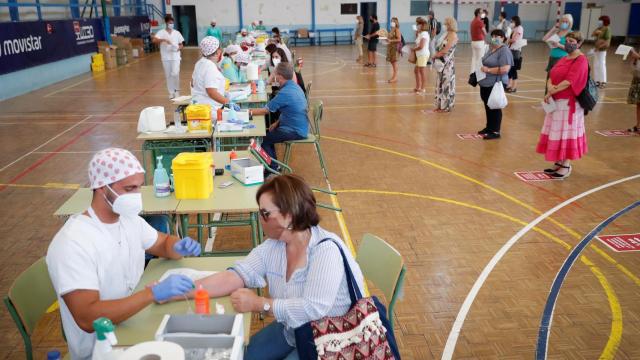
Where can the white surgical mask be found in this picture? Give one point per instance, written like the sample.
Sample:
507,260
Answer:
600,23
414,27
276,62
393,24
170,26
129,204
482,16
233,57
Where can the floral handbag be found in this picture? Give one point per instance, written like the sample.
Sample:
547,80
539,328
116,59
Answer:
363,333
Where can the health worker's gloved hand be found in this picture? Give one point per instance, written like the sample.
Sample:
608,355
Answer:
187,247
236,107
174,285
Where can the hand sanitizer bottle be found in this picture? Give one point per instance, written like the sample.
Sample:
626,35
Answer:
105,340
161,183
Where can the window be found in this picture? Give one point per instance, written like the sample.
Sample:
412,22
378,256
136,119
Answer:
349,9
419,8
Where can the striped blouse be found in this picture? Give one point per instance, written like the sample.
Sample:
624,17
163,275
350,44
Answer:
317,290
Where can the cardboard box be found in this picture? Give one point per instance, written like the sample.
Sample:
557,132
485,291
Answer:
138,52
137,42
247,170
107,51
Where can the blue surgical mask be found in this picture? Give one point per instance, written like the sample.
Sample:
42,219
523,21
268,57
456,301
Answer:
496,41
564,26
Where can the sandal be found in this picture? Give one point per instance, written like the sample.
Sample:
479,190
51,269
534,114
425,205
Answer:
634,129
561,176
550,170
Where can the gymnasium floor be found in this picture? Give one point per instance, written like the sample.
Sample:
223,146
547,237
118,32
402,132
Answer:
451,207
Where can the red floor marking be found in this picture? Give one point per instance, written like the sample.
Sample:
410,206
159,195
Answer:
74,139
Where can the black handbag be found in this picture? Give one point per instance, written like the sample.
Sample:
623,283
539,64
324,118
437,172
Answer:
374,340
473,80
588,97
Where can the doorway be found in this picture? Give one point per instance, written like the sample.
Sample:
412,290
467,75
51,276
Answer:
185,18
367,9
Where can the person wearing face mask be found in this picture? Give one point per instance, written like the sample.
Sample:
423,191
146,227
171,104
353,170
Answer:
485,20
496,64
563,136
293,122
561,29
478,34
394,39
445,66
603,40
244,39
357,37
170,42
515,44
422,56
240,68
96,259
207,82
372,36
215,31
228,59
305,274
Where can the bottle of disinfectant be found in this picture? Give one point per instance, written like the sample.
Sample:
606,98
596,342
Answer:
105,340
232,113
202,301
161,184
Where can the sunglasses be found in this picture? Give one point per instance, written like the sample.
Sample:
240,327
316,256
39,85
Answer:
266,213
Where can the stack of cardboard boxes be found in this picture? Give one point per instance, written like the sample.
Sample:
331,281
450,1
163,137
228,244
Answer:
138,47
125,49
108,53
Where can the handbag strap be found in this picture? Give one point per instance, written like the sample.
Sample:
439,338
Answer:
354,290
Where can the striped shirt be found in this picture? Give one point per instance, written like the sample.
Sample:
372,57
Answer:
317,290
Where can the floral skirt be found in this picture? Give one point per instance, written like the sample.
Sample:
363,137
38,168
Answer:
634,92
560,140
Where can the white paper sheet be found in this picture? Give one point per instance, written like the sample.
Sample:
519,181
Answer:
188,272
480,75
553,39
623,50
549,107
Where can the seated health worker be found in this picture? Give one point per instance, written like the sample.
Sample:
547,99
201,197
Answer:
305,274
229,58
96,259
207,82
236,72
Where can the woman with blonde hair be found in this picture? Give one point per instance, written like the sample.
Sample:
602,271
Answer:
422,54
561,29
394,39
445,66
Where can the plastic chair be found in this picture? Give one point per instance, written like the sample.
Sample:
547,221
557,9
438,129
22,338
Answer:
30,295
312,138
384,266
266,160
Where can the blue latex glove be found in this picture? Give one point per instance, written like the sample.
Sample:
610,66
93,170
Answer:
187,247
236,107
174,285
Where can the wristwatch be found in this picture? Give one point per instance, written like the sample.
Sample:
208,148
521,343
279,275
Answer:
266,306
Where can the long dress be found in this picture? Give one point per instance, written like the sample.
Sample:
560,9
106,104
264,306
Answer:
446,81
563,135
392,48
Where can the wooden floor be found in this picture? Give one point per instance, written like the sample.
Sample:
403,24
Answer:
448,205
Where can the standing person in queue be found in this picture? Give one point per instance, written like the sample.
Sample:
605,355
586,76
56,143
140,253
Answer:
422,56
394,38
496,64
373,41
515,44
445,66
558,52
602,36
478,33
633,97
170,42
357,37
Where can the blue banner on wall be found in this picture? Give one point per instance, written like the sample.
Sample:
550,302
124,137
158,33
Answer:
31,43
130,26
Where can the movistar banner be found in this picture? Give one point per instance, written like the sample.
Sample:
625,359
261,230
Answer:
30,43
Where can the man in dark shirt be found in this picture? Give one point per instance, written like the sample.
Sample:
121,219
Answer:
373,40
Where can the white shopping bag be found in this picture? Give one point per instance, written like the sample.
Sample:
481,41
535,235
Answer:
550,106
497,99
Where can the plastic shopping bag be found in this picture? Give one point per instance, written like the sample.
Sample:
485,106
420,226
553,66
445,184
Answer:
497,99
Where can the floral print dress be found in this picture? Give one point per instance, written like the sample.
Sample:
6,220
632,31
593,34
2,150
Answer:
446,80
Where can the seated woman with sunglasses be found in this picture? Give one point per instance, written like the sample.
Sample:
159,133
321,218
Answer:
306,279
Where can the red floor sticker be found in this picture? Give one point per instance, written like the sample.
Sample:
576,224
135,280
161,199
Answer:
533,176
470,136
624,242
613,133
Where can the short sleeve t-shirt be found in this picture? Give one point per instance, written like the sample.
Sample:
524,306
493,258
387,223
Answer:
170,52
292,104
476,29
86,256
501,57
425,49
206,75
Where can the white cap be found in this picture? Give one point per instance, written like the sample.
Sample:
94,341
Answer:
214,21
233,48
243,57
243,30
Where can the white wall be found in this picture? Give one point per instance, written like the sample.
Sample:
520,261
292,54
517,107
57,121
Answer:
280,13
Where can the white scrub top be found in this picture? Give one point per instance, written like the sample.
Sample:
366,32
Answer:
206,75
170,52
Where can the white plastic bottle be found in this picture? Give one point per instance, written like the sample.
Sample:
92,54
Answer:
161,184
105,340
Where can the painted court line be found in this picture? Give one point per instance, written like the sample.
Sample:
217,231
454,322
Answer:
45,143
466,305
547,316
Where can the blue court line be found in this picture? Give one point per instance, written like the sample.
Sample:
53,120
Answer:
545,323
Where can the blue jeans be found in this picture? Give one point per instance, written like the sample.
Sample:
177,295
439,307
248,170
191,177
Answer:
270,344
277,136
